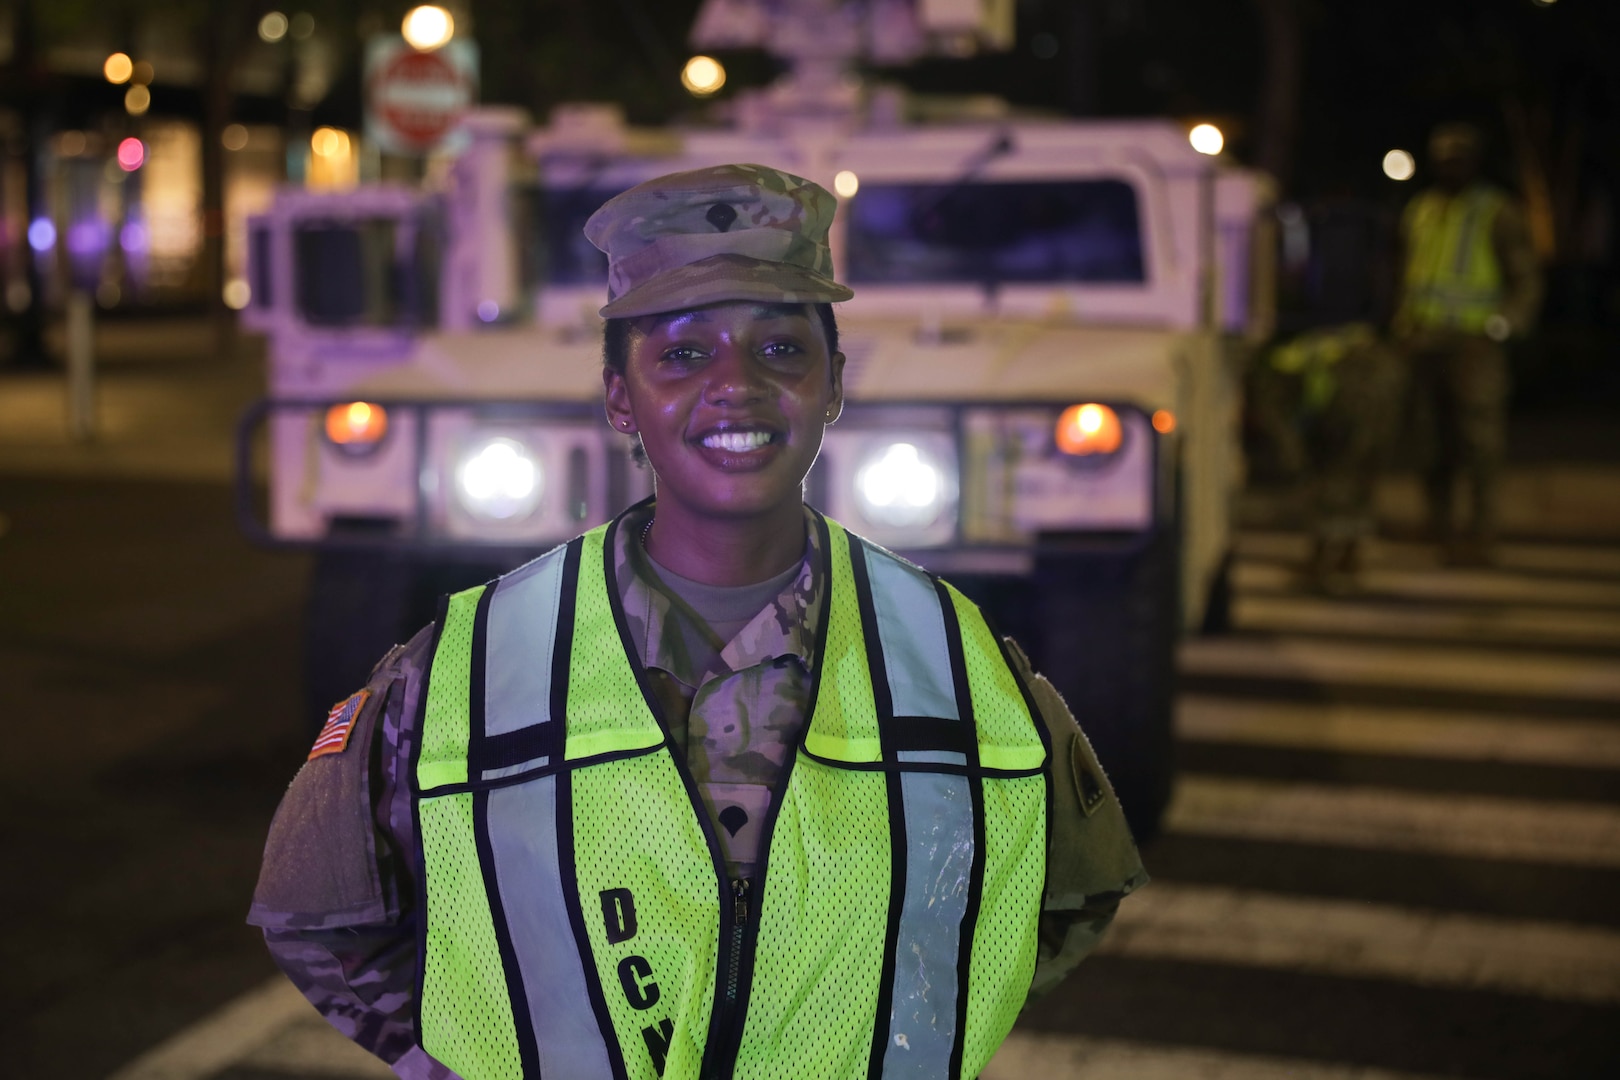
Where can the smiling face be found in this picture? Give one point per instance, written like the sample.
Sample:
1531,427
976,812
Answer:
730,401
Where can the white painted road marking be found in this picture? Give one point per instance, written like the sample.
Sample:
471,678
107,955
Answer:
1478,670
1030,1054
1521,625
223,1039
1470,826
1210,924
1492,586
1516,555
1436,733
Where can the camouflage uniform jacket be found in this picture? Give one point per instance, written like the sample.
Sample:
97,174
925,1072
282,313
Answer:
336,895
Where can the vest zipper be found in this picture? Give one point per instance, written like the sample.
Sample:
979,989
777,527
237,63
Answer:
739,919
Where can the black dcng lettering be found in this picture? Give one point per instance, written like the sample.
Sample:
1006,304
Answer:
635,975
619,915
658,1040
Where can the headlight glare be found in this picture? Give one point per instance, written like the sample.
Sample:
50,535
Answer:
499,478
900,485
1088,429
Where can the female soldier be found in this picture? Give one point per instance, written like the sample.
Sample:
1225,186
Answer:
715,789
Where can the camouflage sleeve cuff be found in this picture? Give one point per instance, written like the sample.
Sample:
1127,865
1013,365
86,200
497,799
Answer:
418,1064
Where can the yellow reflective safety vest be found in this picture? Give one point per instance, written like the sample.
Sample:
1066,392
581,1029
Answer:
577,921
1453,278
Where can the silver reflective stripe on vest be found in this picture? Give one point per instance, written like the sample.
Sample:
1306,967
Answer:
938,810
939,872
912,631
522,823
517,670
523,840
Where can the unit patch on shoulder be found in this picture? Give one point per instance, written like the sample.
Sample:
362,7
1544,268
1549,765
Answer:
1086,784
334,736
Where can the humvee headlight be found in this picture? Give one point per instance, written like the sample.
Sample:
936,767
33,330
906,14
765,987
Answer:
900,485
356,427
1088,430
498,478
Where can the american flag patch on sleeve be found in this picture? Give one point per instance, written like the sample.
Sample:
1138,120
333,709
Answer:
334,736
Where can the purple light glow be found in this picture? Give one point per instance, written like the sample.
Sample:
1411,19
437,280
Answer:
87,237
489,310
133,237
41,235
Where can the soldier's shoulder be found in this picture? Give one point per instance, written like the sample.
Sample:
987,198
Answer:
405,660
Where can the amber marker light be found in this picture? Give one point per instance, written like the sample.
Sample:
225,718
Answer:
1164,421
1084,430
358,425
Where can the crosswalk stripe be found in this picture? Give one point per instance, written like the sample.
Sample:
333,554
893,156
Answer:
218,1041
1476,586
1471,826
311,1047
1521,556
1348,938
1430,733
1477,670
1028,1054
1352,617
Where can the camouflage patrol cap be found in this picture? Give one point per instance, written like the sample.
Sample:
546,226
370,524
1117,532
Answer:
731,232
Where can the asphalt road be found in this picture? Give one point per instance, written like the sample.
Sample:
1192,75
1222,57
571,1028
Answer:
148,686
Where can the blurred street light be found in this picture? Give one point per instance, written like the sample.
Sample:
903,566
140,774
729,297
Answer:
141,74
428,27
273,27
703,76
329,142
131,154
137,99
118,68
301,26
1207,139
234,137
41,235
237,293
846,184
1398,165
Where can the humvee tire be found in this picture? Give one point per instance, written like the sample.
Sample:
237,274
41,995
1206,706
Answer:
363,603
355,614
1099,619
1108,625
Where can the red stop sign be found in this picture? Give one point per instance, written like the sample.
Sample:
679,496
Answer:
418,97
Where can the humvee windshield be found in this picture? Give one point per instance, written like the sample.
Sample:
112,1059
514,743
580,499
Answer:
376,272
1070,230
570,259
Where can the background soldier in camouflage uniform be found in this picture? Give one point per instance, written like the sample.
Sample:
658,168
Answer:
1329,401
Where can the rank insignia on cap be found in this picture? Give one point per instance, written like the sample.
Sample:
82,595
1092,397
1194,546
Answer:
334,736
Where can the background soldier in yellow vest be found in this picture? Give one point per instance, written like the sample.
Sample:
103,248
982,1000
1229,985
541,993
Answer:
1470,284
715,789
1329,402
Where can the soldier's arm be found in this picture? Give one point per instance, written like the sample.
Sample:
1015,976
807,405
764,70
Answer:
1521,269
1092,862
336,889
